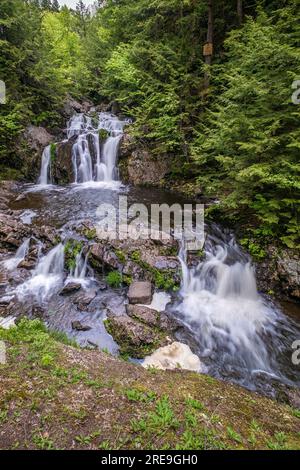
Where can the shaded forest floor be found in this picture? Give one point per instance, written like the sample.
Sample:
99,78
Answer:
55,396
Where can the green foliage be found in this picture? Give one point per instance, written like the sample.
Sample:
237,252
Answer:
114,279
246,148
72,249
53,152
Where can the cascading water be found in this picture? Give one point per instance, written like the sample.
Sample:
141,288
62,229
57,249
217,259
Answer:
47,276
80,270
45,175
20,255
237,332
93,161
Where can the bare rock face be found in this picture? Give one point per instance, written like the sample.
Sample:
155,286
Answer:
140,292
72,106
62,167
36,139
138,166
288,266
280,272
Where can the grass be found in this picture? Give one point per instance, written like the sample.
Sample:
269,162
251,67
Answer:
54,396
114,279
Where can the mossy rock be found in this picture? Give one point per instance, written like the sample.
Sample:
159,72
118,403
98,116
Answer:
134,338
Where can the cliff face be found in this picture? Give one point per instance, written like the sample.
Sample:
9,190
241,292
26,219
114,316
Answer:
139,167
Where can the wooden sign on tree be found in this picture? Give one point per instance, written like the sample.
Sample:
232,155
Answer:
208,49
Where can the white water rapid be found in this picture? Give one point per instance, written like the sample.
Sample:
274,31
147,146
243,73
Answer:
47,276
20,255
234,328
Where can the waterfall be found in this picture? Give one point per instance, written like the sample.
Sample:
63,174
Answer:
47,276
45,177
20,255
234,326
91,160
80,270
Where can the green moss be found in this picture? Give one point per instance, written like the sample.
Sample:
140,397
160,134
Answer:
162,279
90,234
121,256
114,279
53,152
103,134
72,249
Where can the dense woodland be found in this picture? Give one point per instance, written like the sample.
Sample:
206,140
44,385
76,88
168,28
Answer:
206,81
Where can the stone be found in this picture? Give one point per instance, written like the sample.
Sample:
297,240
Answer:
62,166
133,337
144,314
83,300
138,166
70,287
78,326
140,292
174,356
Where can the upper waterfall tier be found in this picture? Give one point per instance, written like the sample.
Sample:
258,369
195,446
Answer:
95,151
91,149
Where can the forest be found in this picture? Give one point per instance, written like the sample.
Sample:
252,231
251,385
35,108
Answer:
228,118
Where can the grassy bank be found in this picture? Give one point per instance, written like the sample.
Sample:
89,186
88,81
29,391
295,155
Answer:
55,396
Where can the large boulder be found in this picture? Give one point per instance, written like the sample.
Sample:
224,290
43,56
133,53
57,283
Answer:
72,106
133,337
140,292
152,317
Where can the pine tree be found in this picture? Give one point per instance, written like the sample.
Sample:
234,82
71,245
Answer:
55,5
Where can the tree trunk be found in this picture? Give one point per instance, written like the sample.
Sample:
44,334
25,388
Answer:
240,11
208,53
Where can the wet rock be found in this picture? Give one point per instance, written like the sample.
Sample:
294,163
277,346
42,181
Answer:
134,270
279,272
133,337
62,166
27,264
83,300
102,285
70,287
101,254
78,326
140,292
143,314
174,356
12,231
152,317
